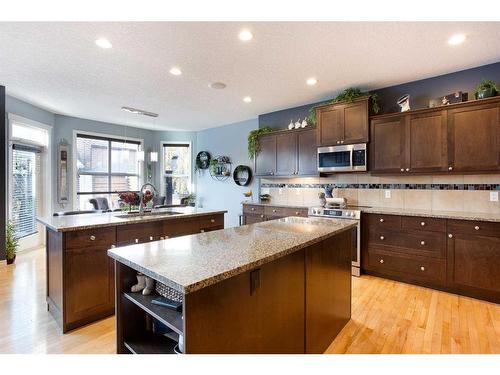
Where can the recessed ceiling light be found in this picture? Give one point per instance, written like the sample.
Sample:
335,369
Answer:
247,99
245,35
312,81
175,71
456,39
103,43
217,85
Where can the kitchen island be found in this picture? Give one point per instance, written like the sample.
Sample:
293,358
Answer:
281,286
80,276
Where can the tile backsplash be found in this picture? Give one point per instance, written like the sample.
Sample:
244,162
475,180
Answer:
469,193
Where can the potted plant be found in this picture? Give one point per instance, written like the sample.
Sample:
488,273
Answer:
191,199
11,243
486,89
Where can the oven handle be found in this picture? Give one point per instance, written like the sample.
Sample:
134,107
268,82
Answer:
350,158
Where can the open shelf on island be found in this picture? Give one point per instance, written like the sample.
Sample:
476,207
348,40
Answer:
150,343
169,317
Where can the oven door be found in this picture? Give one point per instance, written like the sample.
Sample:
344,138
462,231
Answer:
346,158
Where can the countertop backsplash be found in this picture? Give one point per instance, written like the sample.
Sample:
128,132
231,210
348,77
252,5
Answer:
468,193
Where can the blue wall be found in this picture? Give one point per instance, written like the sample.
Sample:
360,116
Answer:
229,140
420,93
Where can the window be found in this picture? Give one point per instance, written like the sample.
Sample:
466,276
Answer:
105,167
177,168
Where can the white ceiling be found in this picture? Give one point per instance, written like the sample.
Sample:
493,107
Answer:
58,67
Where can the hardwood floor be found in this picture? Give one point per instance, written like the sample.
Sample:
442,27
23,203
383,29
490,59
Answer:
387,317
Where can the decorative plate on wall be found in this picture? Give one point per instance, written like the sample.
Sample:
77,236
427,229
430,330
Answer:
242,175
202,160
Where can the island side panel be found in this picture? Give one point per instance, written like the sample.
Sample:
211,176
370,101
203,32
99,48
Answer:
328,289
54,269
260,311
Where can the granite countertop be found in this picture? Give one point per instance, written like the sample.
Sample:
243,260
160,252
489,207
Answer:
458,215
276,205
107,219
190,263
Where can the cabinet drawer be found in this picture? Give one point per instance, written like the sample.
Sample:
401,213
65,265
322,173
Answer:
403,265
477,228
302,212
424,224
180,227
384,221
97,237
207,222
275,212
431,244
252,219
384,237
139,233
250,209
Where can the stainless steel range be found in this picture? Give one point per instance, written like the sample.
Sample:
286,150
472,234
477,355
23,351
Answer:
351,213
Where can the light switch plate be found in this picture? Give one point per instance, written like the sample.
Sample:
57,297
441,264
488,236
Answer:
494,196
387,194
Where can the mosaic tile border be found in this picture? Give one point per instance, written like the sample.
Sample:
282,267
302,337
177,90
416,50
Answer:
387,186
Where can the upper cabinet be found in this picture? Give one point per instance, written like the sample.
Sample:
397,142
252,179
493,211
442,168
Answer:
459,138
287,153
343,123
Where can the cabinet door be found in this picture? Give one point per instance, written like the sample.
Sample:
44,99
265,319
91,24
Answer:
88,287
474,265
356,122
265,160
473,134
330,125
286,154
426,142
307,162
387,145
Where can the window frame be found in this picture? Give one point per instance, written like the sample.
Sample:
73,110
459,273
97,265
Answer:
162,163
109,138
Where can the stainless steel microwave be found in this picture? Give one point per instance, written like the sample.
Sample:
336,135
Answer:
345,158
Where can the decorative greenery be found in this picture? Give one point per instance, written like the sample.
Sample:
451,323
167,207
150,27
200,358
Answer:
265,197
214,163
253,140
486,84
11,243
348,95
191,198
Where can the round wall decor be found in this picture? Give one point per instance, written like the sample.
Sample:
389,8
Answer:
242,175
202,160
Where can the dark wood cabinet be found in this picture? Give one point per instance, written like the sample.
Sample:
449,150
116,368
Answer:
343,123
265,160
459,256
386,149
457,138
474,138
287,153
254,213
426,142
474,258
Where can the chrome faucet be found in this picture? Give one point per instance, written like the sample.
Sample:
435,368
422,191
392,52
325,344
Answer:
141,195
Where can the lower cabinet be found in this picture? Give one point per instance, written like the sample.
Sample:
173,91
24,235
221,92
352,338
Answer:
254,213
460,256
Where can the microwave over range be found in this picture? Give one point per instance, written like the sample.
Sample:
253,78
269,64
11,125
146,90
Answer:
344,158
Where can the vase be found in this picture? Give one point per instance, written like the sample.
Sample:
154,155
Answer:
486,93
11,260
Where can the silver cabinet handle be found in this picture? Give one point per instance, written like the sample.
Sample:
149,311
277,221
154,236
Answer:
212,220
382,238
422,223
274,210
381,261
338,142
136,240
113,246
381,220
407,169
422,268
92,238
422,243
162,238
476,227
253,208
151,238
296,212
262,216
450,168
402,169
341,141
450,235
202,231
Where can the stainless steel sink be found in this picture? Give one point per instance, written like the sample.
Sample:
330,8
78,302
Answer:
146,214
